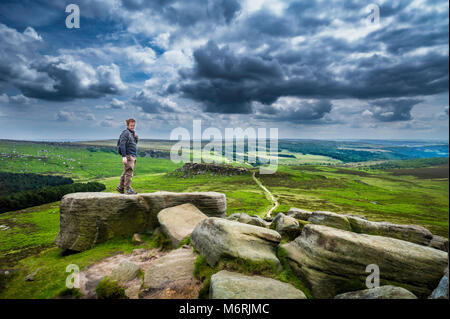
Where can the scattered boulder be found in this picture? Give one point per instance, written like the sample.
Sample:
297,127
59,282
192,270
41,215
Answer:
287,226
383,292
246,219
332,261
31,276
412,233
233,285
87,218
192,169
330,219
178,222
439,242
359,224
137,239
133,292
298,213
216,237
171,276
124,272
441,291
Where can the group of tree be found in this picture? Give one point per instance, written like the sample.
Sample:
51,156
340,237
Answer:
46,194
18,182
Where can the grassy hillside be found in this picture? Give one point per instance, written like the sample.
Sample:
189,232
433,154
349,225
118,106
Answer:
27,244
76,161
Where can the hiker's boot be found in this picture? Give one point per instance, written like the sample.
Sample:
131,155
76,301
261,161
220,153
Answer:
120,189
130,192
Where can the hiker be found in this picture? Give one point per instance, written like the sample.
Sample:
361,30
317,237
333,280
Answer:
127,147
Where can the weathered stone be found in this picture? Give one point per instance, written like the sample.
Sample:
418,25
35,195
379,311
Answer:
133,292
124,272
330,219
87,219
412,233
137,239
359,224
332,261
383,292
216,237
177,267
233,285
30,277
178,222
441,291
439,242
246,219
299,213
287,226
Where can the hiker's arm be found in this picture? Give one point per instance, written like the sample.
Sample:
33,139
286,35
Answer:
123,147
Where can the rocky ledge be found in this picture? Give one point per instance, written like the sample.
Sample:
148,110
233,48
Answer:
91,218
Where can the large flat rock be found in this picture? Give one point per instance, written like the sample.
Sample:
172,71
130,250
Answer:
87,219
333,261
233,285
412,233
178,222
383,292
216,237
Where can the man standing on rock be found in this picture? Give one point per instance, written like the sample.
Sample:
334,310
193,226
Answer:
127,147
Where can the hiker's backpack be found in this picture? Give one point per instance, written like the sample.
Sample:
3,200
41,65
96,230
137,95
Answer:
118,144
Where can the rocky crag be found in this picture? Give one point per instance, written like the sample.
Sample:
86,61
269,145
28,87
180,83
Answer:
192,169
327,253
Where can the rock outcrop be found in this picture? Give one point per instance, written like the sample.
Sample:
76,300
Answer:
330,219
412,233
192,169
247,219
333,261
298,213
216,237
383,292
439,242
287,226
233,285
178,222
87,219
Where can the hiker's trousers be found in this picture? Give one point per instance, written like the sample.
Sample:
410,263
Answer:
128,170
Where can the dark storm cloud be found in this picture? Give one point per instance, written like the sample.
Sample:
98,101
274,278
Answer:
150,104
392,110
232,81
228,83
186,13
59,78
323,66
301,113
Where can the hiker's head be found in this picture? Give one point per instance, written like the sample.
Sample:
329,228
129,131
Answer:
131,123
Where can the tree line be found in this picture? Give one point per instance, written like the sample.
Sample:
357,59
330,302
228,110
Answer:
46,194
18,182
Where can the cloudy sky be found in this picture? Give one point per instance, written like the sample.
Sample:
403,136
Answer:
313,69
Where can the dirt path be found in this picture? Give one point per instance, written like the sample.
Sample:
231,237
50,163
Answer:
275,203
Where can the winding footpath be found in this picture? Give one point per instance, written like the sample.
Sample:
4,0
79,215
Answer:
275,203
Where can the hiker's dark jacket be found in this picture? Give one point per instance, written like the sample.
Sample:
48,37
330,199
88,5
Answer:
128,143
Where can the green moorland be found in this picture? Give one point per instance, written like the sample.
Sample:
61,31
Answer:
377,194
